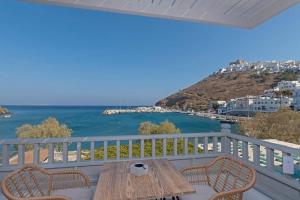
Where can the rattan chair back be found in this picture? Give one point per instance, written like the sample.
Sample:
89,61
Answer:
226,174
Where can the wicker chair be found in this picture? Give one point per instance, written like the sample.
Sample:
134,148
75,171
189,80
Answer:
223,179
34,183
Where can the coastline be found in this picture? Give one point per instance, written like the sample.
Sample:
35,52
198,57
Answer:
157,109
88,120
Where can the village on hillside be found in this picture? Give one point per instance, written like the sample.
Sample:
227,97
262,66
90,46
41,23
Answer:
286,94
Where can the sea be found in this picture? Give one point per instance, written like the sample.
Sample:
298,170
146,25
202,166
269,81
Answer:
89,120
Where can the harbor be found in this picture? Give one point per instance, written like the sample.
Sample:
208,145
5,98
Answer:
157,109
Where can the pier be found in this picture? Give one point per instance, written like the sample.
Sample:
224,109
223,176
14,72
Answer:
153,109
157,109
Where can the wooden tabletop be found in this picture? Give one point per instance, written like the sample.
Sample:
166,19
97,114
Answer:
163,180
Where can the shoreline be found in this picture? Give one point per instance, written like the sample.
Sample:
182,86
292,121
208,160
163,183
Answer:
157,109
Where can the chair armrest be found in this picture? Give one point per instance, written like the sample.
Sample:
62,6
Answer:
10,197
68,179
233,194
195,174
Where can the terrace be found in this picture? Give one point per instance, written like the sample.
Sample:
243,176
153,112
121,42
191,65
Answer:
90,153
82,153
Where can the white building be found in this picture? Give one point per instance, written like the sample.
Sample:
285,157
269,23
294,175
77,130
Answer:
296,98
270,92
268,104
243,104
219,104
288,85
252,104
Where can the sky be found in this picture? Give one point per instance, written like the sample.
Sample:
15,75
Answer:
53,55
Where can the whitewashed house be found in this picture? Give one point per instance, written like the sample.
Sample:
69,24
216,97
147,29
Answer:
268,104
288,85
296,99
238,106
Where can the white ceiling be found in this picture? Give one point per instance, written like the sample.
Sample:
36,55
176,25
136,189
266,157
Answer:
241,13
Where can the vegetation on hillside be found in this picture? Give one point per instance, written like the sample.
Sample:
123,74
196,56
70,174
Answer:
286,93
282,125
289,76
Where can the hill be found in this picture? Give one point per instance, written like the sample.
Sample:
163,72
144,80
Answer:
224,86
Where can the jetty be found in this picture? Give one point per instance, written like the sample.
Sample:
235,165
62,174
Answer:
152,109
222,118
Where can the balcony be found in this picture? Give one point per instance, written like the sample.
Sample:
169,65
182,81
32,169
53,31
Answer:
90,153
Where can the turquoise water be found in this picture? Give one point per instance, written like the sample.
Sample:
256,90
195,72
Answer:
89,121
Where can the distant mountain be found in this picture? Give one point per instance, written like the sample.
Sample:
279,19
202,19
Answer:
239,79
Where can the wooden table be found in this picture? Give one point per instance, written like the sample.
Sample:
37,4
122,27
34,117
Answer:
163,180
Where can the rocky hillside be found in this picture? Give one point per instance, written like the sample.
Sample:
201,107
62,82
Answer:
3,111
224,86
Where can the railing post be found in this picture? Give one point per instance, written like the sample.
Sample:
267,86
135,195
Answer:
78,151
175,146
92,150
205,145
164,147
196,146
130,150
215,144
245,151
153,148
118,149
235,148
5,155
105,150
50,153
65,152
186,147
21,154
36,153
142,148
225,129
256,154
270,158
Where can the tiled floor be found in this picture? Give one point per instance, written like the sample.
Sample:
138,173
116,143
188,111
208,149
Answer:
254,194
250,195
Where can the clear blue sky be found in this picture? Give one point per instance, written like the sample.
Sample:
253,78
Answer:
58,55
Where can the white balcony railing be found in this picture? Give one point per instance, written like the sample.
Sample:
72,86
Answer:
85,151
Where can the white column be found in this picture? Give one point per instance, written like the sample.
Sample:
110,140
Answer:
153,148
118,149
36,153
92,151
